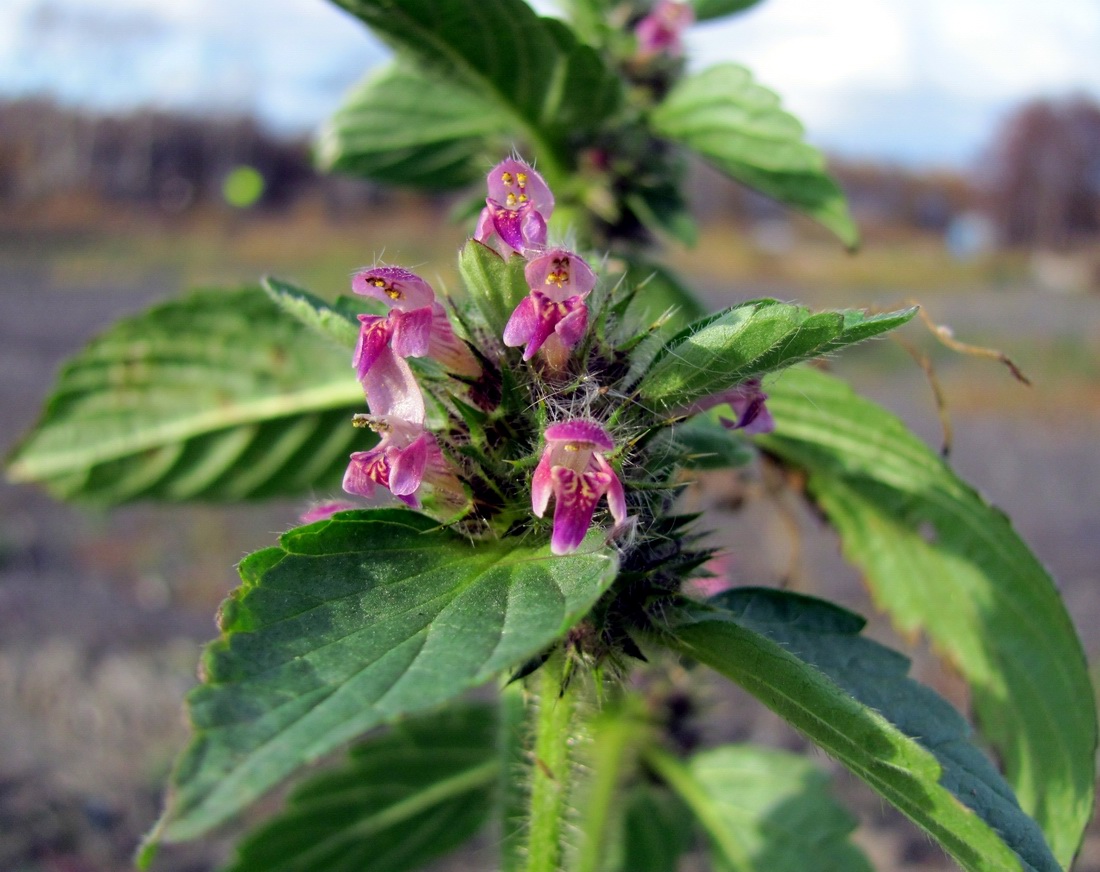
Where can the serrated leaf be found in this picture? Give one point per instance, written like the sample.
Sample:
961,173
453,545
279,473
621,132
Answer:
739,127
337,323
707,9
804,658
494,284
355,621
924,538
764,810
216,396
750,340
403,126
534,70
396,802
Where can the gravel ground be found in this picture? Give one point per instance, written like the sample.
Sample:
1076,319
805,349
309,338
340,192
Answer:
102,616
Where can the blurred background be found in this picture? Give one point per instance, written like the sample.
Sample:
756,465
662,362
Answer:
147,147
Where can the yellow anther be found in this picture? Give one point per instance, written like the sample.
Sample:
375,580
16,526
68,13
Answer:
522,198
377,282
511,200
393,293
506,178
521,178
557,278
572,446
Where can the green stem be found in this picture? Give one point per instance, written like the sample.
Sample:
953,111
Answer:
513,792
615,735
676,775
552,768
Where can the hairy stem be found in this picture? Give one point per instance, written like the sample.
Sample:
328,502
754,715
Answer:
615,734
552,768
513,790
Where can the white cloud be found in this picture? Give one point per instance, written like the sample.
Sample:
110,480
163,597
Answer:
946,66
899,77
294,57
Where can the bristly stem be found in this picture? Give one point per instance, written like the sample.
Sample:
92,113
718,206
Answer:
615,735
551,769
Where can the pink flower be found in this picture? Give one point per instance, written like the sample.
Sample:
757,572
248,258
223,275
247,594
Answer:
660,31
747,402
406,457
574,470
555,309
388,381
416,326
324,511
517,208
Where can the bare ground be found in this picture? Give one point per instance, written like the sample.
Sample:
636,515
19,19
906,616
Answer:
102,616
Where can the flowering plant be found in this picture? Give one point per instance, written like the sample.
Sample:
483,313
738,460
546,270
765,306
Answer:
572,372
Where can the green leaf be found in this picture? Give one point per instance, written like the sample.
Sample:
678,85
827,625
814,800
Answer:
663,216
338,324
764,810
659,291
216,396
657,831
750,340
707,9
804,658
708,445
533,70
355,621
924,538
397,802
740,128
494,284
404,126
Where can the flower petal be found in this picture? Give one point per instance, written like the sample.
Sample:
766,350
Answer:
407,466
508,225
580,431
374,336
411,331
324,511
571,328
394,286
616,499
365,470
560,274
542,485
447,348
392,390
514,183
521,326
576,495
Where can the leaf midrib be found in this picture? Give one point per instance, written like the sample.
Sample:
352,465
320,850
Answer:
74,458
444,49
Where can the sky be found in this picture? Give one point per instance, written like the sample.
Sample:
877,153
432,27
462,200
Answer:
918,82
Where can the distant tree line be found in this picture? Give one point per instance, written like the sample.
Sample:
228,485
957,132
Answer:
1039,182
1043,174
167,161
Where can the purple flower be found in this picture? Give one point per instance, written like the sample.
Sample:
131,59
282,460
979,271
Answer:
406,457
416,326
660,31
517,208
554,312
747,402
574,471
